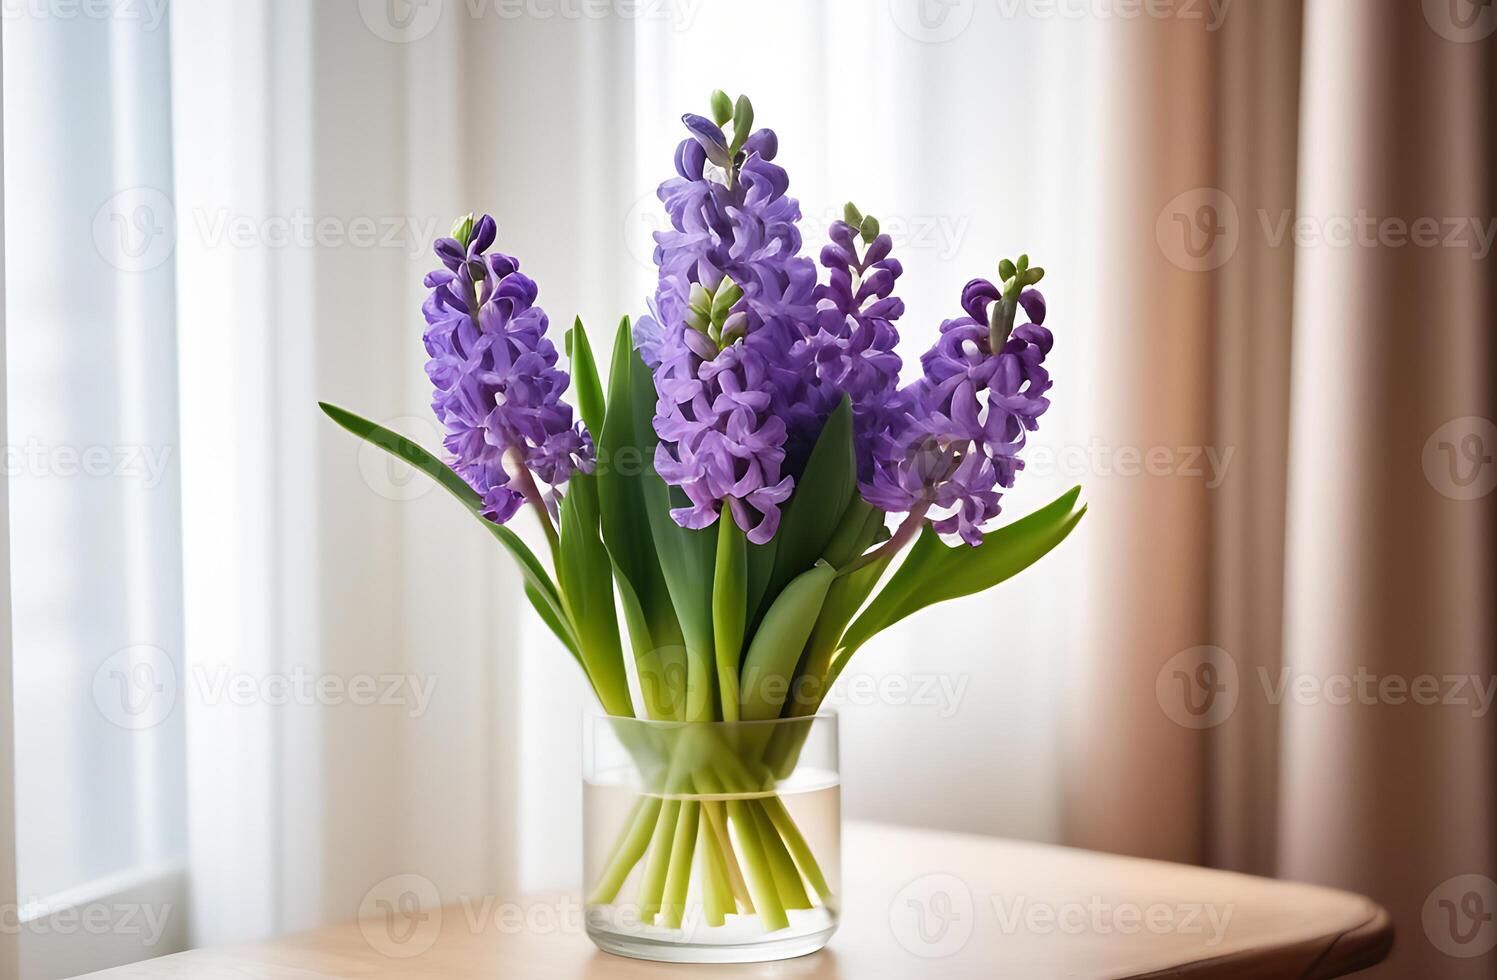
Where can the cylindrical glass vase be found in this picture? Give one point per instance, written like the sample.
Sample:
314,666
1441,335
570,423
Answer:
714,842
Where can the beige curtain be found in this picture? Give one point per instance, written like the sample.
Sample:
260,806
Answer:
1277,191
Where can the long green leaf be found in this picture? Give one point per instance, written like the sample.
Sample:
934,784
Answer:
589,389
934,572
623,458
397,445
814,512
587,592
686,557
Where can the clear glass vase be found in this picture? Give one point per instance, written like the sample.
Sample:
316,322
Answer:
715,842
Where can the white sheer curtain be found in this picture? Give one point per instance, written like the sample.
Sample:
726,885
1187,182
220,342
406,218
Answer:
314,149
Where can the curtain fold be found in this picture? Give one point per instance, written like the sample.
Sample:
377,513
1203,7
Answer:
1389,559
1268,181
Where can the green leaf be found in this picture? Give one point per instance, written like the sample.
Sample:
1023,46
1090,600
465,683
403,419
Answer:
587,592
774,652
811,518
623,457
722,107
686,557
585,377
402,448
934,572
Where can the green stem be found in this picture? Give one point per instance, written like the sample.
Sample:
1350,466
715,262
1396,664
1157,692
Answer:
774,808
786,878
632,847
761,881
729,591
678,878
652,886
717,894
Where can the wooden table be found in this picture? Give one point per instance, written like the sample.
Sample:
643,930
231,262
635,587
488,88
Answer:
918,904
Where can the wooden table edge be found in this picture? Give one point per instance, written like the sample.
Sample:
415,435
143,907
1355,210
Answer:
1357,948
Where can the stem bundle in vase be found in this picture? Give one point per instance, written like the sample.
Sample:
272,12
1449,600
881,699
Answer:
739,493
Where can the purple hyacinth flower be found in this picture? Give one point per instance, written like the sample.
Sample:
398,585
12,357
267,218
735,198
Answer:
728,405
957,432
497,388
849,348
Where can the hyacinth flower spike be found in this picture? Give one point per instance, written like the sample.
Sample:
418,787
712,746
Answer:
962,424
498,391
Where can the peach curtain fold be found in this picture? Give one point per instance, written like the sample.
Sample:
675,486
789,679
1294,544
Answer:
1267,184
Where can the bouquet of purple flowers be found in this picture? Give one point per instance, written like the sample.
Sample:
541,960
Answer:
748,476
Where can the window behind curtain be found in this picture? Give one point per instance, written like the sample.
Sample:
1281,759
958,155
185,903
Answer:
91,453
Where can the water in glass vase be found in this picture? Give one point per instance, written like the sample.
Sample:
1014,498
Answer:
712,877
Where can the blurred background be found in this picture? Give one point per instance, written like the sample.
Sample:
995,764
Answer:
256,670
